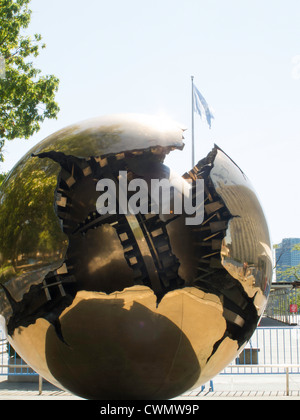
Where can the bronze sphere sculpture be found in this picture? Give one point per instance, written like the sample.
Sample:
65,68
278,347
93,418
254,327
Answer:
128,305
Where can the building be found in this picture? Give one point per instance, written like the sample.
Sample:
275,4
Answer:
285,257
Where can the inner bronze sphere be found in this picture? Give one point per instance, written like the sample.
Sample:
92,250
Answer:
128,305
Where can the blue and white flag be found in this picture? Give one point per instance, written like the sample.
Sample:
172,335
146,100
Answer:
201,107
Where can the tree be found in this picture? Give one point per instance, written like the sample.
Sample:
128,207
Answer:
2,177
292,272
28,222
26,96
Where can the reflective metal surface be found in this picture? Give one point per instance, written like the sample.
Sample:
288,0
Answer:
128,306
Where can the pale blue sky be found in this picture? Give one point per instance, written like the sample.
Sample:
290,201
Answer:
138,56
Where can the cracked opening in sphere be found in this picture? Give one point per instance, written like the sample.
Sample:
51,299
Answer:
111,252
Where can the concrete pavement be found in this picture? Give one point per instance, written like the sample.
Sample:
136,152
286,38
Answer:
229,387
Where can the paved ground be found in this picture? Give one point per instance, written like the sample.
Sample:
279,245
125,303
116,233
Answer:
249,387
234,387
30,391
270,322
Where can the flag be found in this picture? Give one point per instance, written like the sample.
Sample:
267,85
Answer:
201,107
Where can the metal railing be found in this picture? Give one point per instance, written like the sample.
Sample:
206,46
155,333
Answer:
284,369
13,366
10,363
269,351
284,304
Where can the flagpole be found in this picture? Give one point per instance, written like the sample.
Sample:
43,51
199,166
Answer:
193,140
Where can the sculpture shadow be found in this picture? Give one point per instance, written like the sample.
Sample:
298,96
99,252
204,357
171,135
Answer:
114,353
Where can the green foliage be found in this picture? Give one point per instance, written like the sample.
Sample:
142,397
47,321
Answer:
2,177
28,222
292,272
26,97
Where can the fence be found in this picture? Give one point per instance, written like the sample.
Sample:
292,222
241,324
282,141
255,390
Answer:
10,364
283,305
270,351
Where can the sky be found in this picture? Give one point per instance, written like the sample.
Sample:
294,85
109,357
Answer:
138,56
